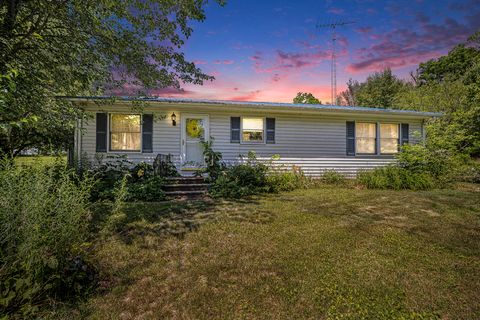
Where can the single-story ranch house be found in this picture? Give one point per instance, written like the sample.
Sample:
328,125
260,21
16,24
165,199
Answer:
312,137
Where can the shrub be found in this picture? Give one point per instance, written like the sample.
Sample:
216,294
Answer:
333,177
396,178
141,184
241,180
213,160
441,164
43,225
279,180
470,172
149,189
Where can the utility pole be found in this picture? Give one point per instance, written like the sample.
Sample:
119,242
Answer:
333,77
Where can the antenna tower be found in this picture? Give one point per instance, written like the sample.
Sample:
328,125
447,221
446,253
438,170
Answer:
333,78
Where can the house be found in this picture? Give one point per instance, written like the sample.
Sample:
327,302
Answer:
313,137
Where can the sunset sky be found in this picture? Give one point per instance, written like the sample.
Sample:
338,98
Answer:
270,50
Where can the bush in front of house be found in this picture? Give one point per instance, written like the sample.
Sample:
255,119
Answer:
286,180
241,180
420,167
441,164
396,178
141,185
333,177
44,216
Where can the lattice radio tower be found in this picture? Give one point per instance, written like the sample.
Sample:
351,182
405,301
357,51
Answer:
333,78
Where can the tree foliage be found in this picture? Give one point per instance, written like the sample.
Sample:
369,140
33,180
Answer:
451,67
83,47
306,97
349,96
449,84
379,90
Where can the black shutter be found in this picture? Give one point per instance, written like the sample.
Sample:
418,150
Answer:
147,133
270,130
101,140
405,133
235,129
350,138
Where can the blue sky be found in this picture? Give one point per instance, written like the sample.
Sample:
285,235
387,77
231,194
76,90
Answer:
269,50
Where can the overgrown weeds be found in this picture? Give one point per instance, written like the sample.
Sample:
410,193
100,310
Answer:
44,214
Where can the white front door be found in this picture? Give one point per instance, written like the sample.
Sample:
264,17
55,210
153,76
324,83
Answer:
195,129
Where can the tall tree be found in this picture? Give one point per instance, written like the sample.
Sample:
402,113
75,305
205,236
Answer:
451,67
306,97
75,47
349,96
450,84
379,90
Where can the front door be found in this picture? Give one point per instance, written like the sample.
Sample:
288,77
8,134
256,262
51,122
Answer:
194,131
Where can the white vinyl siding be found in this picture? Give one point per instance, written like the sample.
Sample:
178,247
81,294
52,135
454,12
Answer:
314,142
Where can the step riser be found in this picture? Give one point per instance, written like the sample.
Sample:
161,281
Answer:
184,181
185,187
188,194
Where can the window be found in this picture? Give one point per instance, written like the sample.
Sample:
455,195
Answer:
366,136
252,129
389,138
125,132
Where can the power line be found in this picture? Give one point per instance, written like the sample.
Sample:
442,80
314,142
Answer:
333,77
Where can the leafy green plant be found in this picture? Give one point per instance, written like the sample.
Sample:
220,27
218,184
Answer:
281,179
141,182
396,178
149,189
244,179
163,166
442,164
44,215
117,216
213,160
333,177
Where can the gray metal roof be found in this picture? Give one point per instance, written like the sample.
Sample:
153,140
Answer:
299,106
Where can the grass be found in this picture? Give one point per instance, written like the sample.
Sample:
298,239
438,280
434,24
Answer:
328,253
43,160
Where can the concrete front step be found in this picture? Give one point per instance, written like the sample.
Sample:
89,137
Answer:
185,187
184,180
171,194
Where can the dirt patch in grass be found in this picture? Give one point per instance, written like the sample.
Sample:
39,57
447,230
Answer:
320,253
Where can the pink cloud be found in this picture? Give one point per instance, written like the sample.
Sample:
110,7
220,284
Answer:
250,96
364,30
223,62
336,10
199,62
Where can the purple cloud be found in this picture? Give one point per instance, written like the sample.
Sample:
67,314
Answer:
287,61
402,47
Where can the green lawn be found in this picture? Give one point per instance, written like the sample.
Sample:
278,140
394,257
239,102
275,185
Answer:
319,254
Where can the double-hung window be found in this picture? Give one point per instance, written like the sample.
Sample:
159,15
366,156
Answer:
389,138
369,140
125,132
366,138
253,130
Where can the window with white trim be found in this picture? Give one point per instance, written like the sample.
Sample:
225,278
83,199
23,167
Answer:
365,138
389,135
125,132
253,130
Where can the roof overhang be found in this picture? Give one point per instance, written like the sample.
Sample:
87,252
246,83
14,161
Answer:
252,105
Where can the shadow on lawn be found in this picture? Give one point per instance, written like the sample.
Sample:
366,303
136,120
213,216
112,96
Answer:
175,218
